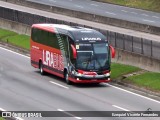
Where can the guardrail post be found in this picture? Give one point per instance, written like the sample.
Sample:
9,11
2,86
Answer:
107,35
142,46
151,48
123,42
132,44
115,39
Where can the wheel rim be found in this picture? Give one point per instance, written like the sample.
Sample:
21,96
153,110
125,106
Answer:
66,77
41,69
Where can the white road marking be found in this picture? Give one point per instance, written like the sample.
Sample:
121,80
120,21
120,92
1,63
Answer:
1,109
120,108
78,6
14,52
110,13
79,118
94,5
145,15
17,118
145,20
133,93
124,11
59,84
60,110
155,17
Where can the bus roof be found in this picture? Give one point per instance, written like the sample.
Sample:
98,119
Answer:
59,26
76,32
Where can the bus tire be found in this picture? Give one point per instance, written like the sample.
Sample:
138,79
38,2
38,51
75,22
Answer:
66,78
41,68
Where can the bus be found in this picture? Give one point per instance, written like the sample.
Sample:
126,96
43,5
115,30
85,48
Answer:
76,54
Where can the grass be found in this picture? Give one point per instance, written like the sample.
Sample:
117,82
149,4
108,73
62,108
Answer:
119,69
152,5
6,33
19,40
148,80
14,38
2,118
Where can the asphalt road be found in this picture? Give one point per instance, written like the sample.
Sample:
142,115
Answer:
108,10
22,88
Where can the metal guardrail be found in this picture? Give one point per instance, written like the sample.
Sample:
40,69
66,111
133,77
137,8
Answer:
136,45
128,43
89,16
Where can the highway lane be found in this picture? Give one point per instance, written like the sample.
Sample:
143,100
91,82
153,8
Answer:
23,88
108,10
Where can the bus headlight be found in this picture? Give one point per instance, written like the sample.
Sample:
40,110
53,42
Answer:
79,74
107,74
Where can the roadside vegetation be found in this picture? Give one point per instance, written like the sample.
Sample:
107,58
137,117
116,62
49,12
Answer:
18,40
151,5
6,33
149,80
119,69
14,39
2,118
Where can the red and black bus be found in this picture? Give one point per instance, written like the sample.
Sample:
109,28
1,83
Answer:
77,54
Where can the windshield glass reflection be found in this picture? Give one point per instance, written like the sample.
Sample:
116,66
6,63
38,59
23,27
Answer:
92,56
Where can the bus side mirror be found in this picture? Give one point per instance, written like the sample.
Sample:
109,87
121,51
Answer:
74,51
113,51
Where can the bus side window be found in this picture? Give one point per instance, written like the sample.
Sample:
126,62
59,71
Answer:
35,34
53,40
44,37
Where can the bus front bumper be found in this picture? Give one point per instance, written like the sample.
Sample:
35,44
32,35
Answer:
91,78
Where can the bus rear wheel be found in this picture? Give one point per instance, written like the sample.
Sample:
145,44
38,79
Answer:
41,68
66,78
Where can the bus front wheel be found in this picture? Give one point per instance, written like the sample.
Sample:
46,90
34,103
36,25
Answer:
66,78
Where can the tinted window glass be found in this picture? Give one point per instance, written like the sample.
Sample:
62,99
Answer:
45,38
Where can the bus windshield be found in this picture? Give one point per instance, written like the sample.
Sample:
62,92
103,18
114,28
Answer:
92,57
